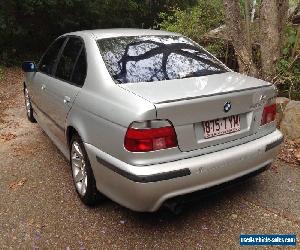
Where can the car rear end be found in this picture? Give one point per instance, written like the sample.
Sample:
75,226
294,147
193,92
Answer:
146,188
209,129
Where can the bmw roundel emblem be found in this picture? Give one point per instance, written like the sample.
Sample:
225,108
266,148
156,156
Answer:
227,106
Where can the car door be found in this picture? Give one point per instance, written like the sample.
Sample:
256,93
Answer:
62,89
40,79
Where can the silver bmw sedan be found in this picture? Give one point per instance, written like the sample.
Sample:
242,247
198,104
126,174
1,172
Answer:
145,116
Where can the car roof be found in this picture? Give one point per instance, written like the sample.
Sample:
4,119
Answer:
107,33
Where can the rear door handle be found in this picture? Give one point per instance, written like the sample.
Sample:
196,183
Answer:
43,87
67,99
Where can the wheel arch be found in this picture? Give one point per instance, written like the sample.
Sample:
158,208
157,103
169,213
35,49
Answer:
70,131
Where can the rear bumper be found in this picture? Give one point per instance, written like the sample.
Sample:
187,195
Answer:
145,188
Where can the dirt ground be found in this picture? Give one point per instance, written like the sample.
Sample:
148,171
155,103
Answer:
39,208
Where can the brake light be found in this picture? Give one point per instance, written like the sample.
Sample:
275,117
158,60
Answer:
150,136
269,114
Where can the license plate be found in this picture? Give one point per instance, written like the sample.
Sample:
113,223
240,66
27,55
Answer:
221,126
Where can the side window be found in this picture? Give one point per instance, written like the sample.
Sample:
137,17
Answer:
68,59
79,72
49,59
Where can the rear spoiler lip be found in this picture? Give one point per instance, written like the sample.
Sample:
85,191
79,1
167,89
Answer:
215,94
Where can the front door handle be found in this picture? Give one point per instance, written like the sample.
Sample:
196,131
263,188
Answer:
43,87
67,99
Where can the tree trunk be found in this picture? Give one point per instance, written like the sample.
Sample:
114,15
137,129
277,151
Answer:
247,19
273,17
238,37
283,8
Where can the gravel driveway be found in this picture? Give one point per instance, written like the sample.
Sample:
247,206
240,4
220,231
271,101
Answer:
40,209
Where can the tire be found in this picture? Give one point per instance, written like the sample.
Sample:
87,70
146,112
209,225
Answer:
82,173
28,106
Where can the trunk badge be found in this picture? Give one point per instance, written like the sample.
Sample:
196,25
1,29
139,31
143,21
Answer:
227,106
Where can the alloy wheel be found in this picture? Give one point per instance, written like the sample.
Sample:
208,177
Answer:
27,101
79,168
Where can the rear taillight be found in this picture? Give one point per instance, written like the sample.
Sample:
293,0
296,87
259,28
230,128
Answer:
150,136
269,114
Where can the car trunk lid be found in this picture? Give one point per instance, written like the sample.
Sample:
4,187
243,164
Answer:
190,102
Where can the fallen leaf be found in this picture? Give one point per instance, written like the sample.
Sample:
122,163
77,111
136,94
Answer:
234,216
17,184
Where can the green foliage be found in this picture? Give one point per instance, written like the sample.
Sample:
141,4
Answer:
217,48
288,68
293,3
195,21
28,26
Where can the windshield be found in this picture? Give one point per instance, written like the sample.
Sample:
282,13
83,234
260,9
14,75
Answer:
156,58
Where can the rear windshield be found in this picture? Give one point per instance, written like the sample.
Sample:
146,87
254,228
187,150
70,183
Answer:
156,58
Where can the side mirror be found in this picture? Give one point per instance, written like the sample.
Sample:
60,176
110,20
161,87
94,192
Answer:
29,66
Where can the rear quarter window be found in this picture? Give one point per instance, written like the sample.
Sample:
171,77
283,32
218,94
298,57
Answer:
68,59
